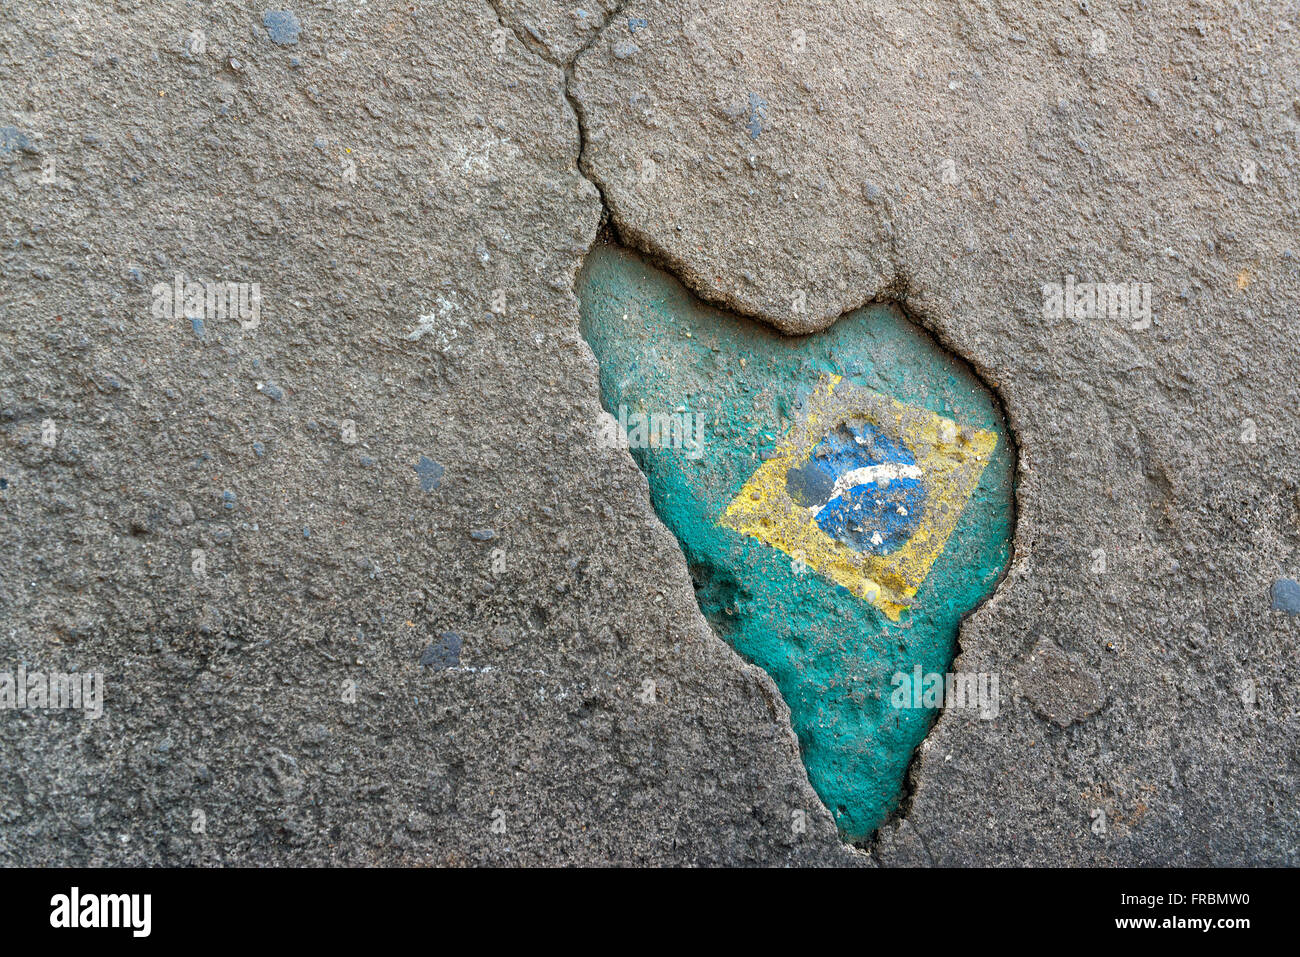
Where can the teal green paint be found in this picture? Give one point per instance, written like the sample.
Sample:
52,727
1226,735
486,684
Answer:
831,654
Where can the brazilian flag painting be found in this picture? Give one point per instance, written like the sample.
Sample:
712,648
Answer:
851,501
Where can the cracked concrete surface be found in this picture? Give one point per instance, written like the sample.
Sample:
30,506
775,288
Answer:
406,167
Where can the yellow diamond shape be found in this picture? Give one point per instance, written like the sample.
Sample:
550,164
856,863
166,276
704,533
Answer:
951,460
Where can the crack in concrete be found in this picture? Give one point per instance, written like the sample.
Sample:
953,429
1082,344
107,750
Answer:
537,46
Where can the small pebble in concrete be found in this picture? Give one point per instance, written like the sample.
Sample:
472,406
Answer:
757,114
1286,596
283,27
444,653
430,473
12,138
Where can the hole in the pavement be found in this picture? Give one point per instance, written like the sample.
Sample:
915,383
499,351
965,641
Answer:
843,500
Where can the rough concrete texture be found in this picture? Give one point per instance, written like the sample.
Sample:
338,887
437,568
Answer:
403,184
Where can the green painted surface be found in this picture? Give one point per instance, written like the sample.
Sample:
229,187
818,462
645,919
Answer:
831,654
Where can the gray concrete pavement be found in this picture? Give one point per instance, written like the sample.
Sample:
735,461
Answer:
260,528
